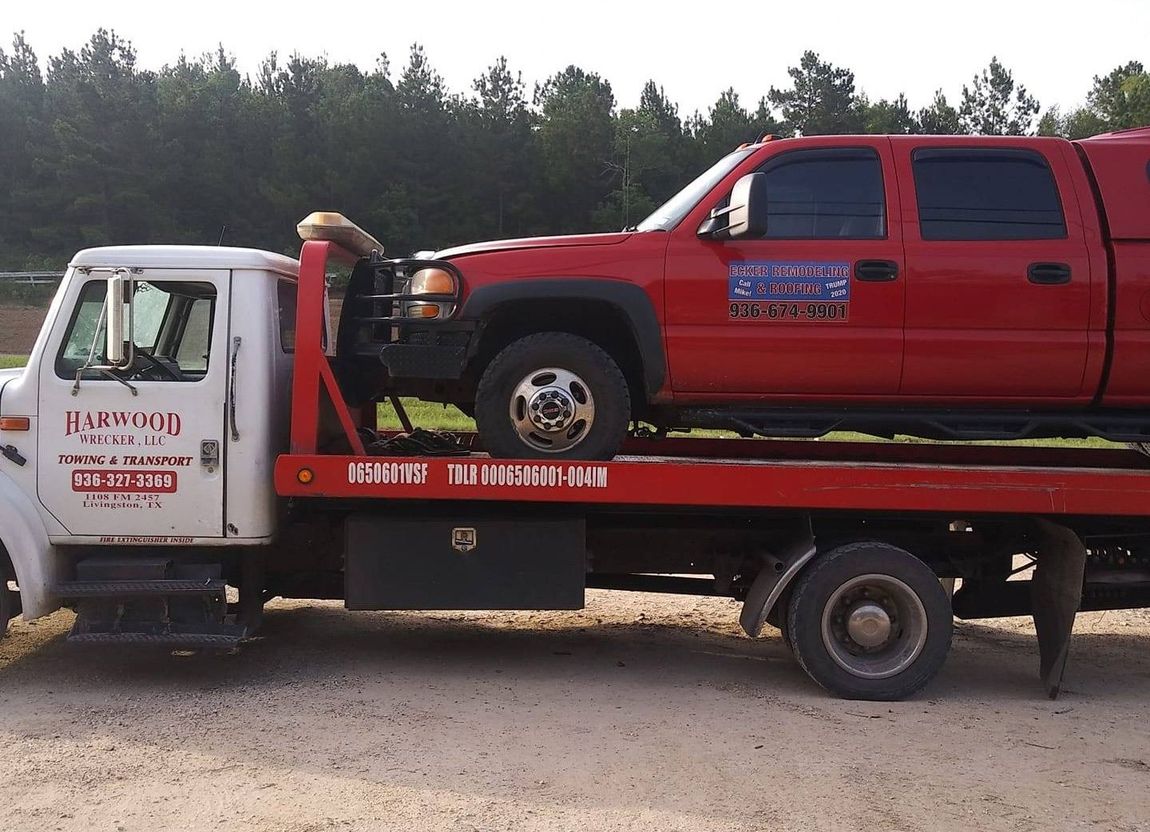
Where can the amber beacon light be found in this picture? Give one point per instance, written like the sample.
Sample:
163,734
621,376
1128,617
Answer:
336,228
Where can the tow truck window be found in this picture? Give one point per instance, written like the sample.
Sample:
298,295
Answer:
286,293
171,330
827,194
986,194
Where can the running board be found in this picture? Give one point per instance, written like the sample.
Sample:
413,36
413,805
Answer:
151,601
138,589
958,425
218,640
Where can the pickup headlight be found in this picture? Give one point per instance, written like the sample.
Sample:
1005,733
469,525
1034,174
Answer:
432,282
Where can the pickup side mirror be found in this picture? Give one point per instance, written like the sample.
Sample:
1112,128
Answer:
120,292
748,213
744,216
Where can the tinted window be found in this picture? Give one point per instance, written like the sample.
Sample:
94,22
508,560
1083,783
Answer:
286,293
825,194
986,194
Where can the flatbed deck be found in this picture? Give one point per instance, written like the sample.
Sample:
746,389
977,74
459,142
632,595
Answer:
762,474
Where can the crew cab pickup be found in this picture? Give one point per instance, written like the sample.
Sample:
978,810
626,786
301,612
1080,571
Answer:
946,286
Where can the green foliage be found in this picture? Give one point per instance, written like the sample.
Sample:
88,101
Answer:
885,117
576,142
821,100
26,294
1118,100
993,105
729,124
98,150
939,118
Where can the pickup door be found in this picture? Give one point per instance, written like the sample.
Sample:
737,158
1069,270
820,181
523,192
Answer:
815,307
999,287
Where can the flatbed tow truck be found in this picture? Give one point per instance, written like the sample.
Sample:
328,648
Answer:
849,548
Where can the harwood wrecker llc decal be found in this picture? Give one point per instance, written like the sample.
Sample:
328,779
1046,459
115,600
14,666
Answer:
805,291
119,459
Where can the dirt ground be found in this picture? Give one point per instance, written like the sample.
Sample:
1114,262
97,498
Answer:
639,713
19,326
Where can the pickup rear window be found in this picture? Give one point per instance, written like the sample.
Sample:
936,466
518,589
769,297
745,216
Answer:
986,194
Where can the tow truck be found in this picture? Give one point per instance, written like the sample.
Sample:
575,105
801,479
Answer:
180,448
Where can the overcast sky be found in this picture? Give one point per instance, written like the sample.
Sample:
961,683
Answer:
694,49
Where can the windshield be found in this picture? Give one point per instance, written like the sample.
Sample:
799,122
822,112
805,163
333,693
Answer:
671,212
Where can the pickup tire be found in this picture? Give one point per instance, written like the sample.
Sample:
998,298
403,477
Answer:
870,621
552,395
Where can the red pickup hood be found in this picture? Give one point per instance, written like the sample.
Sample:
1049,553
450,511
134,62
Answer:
567,241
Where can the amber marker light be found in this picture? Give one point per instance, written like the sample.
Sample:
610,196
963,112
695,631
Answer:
305,476
15,423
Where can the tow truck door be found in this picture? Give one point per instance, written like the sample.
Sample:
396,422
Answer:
136,455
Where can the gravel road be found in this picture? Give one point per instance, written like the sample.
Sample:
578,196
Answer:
639,713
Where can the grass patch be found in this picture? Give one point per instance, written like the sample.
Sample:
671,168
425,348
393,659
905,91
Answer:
428,415
7,361
25,294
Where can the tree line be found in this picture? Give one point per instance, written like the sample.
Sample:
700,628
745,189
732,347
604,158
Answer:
98,150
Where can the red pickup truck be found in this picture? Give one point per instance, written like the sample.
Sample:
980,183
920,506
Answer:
946,286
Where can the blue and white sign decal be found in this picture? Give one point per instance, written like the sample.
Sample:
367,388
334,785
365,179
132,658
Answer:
791,290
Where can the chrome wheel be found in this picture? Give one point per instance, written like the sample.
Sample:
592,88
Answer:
874,626
552,410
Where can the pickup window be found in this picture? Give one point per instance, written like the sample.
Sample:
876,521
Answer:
986,194
834,193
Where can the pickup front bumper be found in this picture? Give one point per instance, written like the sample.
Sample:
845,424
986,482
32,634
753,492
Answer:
429,352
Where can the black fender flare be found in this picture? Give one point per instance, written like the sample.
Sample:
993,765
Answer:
628,298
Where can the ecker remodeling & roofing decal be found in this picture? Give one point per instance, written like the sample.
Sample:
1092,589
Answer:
792,290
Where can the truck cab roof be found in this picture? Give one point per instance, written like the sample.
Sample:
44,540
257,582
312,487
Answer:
185,257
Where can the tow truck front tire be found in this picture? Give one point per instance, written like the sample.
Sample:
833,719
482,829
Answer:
870,621
552,395
9,600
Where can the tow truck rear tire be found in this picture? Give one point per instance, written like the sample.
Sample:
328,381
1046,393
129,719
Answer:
870,621
552,395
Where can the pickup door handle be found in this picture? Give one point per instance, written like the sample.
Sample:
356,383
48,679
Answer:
1048,274
876,271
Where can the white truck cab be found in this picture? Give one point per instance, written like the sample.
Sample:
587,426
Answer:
163,436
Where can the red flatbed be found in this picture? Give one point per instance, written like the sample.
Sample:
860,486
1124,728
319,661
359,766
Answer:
763,474
813,535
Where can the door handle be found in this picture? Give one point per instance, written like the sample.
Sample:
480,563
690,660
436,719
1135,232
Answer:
876,271
1048,274
232,389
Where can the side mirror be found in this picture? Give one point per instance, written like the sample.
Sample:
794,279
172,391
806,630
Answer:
748,211
745,214
120,291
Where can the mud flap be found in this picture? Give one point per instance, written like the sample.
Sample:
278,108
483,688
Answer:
1056,592
780,569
